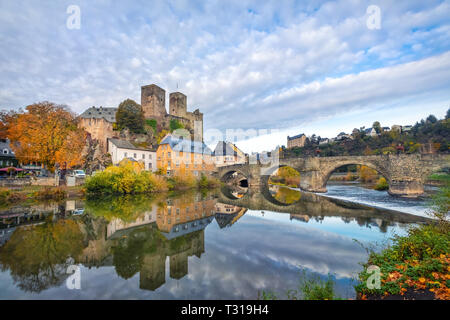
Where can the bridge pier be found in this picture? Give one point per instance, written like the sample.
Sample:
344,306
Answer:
410,188
312,181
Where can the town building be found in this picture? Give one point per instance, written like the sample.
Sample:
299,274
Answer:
397,128
121,149
178,155
296,141
7,157
371,132
227,154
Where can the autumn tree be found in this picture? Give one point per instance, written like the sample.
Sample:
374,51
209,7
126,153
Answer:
130,116
46,133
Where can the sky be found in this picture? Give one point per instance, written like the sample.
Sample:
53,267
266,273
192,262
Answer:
266,69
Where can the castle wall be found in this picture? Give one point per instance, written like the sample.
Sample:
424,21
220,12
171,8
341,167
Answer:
99,129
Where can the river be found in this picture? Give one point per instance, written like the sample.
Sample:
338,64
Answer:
192,245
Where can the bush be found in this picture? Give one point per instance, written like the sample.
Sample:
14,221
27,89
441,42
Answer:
182,181
125,179
207,182
382,184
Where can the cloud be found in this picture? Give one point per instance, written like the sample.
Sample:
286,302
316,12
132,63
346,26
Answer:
245,64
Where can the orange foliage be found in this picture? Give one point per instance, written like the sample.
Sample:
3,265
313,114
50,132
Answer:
46,133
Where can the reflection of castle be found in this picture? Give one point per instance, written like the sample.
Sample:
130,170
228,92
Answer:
227,215
153,270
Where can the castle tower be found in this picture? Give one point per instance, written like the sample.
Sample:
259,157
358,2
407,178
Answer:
177,104
153,101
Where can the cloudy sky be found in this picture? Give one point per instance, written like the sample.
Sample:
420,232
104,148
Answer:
283,67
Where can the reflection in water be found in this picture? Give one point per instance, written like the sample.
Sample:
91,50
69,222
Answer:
151,242
284,194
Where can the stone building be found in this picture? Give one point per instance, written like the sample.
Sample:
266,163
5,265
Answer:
98,122
296,141
153,102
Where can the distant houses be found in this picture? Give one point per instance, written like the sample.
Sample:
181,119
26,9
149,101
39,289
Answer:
296,141
301,139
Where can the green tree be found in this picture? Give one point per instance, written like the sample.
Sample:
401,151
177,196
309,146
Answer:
175,124
130,116
377,126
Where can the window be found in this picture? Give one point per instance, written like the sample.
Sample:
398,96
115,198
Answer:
5,151
135,156
150,165
125,154
143,156
178,210
150,156
196,173
168,154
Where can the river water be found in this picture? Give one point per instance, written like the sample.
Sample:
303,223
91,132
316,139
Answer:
191,245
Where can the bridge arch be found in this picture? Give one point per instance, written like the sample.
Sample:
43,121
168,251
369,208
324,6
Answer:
330,168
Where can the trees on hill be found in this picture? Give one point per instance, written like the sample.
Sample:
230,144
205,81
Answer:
130,116
427,135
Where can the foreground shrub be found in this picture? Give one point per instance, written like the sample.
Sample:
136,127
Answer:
311,287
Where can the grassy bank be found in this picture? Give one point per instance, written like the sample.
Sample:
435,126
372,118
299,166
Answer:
10,197
416,265
126,179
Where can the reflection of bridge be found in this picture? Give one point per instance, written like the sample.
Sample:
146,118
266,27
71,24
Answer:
405,174
311,204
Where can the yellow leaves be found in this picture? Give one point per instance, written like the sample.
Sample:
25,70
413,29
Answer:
422,280
46,133
393,276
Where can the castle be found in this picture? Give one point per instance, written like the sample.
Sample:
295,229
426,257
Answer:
98,122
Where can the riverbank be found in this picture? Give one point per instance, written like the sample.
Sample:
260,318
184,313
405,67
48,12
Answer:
415,266
28,194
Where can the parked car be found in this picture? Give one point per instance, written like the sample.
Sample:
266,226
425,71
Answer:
79,174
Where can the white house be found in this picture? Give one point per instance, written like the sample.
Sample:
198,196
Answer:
121,149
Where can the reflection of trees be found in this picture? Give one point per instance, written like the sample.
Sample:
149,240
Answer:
127,208
286,195
38,256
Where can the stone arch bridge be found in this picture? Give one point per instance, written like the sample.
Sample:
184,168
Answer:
405,174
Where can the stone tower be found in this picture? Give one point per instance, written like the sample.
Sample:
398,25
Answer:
153,102
177,104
